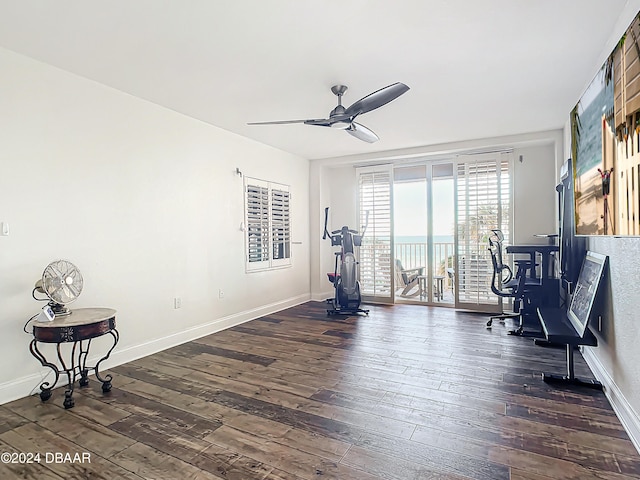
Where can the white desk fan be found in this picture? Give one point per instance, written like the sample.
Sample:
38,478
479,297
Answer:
62,283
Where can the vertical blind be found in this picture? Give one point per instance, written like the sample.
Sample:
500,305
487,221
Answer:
484,203
375,253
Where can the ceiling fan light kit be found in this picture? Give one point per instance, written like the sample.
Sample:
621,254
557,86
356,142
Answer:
341,125
344,118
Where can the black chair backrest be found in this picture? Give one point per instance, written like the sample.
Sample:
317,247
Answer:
499,270
497,233
503,271
523,266
496,263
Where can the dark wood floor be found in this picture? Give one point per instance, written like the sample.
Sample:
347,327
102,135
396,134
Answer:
408,392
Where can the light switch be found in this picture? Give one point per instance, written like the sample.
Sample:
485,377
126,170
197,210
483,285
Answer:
5,229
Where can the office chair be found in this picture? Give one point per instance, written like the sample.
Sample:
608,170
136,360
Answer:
524,286
503,283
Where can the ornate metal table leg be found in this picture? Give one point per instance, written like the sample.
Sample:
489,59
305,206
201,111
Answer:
106,381
84,379
69,402
82,364
45,387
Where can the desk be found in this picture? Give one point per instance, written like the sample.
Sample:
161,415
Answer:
545,251
78,328
548,292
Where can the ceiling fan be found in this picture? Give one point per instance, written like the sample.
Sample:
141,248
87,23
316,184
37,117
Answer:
344,118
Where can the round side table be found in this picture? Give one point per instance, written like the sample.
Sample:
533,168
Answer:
78,328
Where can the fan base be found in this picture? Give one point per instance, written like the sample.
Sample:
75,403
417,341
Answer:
59,310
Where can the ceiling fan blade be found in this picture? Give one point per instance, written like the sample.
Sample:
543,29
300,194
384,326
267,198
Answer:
376,99
321,122
362,133
277,122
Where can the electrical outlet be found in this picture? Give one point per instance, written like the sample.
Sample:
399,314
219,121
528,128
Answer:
177,302
220,294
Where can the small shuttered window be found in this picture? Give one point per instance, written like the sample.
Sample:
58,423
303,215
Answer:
267,224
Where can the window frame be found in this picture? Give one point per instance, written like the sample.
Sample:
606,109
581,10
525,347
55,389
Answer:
267,225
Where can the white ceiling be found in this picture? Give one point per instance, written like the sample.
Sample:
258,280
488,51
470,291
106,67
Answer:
476,69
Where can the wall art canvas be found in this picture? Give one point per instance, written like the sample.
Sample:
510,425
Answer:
605,135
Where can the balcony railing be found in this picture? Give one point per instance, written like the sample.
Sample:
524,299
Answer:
473,272
414,255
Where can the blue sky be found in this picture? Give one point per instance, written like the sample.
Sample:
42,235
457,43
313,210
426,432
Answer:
410,208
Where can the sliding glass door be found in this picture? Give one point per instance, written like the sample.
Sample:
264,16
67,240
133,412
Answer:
410,234
428,227
442,233
424,229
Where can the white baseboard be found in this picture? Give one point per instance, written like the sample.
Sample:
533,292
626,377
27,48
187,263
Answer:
27,385
22,387
321,297
628,417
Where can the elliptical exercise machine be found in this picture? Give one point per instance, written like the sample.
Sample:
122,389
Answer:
346,300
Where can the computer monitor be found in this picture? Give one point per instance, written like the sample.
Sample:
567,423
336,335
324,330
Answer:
586,290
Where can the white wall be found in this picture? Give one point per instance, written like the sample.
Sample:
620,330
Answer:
616,360
534,209
145,201
336,188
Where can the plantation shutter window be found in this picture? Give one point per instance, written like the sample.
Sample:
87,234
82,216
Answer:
280,226
267,224
257,223
374,197
484,202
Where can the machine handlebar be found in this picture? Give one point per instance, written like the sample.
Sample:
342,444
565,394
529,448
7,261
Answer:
334,232
326,218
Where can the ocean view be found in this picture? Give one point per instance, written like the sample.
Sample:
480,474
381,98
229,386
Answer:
423,239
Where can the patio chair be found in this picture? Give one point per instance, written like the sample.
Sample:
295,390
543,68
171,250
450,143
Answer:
409,279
